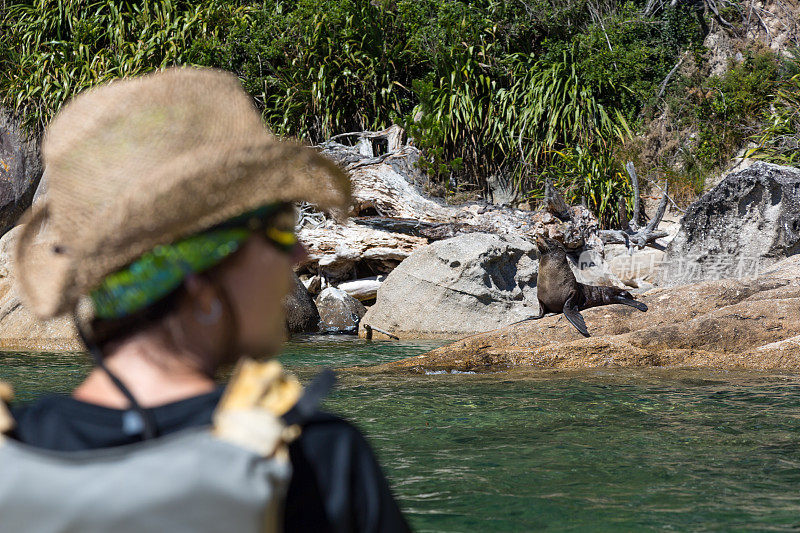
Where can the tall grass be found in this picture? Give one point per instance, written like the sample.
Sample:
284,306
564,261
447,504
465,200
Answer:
56,49
457,117
779,140
340,76
549,106
537,115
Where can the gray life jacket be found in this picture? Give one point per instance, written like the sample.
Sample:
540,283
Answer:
232,476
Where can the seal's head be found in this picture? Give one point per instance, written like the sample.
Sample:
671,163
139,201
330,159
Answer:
546,245
614,295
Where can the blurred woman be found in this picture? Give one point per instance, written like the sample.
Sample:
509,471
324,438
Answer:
168,232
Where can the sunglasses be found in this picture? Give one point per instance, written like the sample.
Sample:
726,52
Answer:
284,240
276,226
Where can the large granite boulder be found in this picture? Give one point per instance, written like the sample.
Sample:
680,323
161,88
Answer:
20,170
338,311
467,284
747,222
301,311
729,323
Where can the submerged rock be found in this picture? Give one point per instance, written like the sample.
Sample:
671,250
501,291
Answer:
729,323
747,222
339,311
471,283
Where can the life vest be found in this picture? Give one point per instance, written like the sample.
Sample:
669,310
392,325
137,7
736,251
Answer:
231,476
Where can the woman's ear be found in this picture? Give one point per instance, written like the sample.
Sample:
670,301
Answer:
195,285
207,320
203,299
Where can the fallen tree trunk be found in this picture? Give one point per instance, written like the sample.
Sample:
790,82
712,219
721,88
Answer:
632,235
339,251
363,289
391,216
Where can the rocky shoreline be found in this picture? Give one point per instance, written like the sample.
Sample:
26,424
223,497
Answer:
410,266
743,232
733,324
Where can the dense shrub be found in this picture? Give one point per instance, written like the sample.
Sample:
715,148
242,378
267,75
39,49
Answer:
520,89
53,49
319,68
779,138
729,107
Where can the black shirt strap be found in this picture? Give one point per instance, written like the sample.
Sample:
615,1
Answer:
314,393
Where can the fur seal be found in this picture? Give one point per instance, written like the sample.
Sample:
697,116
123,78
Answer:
559,291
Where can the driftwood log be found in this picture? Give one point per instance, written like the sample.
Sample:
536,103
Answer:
632,235
391,216
554,201
343,252
363,289
573,226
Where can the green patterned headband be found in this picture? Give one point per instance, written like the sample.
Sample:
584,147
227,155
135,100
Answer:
162,270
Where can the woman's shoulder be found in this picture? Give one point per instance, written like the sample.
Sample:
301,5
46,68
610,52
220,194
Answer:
60,422
53,408
337,481
49,422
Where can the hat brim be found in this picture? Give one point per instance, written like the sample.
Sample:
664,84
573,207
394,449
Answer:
42,268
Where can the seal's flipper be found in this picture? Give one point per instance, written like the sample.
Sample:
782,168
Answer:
542,311
633,303
574,316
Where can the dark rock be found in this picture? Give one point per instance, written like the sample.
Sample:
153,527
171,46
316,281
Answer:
301,312
20,170
339,311
747,222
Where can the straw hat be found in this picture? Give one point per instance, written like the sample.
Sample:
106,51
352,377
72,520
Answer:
145,161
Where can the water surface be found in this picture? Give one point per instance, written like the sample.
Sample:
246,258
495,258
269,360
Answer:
595,450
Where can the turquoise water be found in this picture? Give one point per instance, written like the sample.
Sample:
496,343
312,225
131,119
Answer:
597,450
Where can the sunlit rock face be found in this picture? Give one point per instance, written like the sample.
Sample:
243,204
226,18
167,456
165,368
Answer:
729,323
467,284
746,223
19,328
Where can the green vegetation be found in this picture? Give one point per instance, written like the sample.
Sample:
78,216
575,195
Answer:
779,139
52,50
714,116
520,89
728,107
